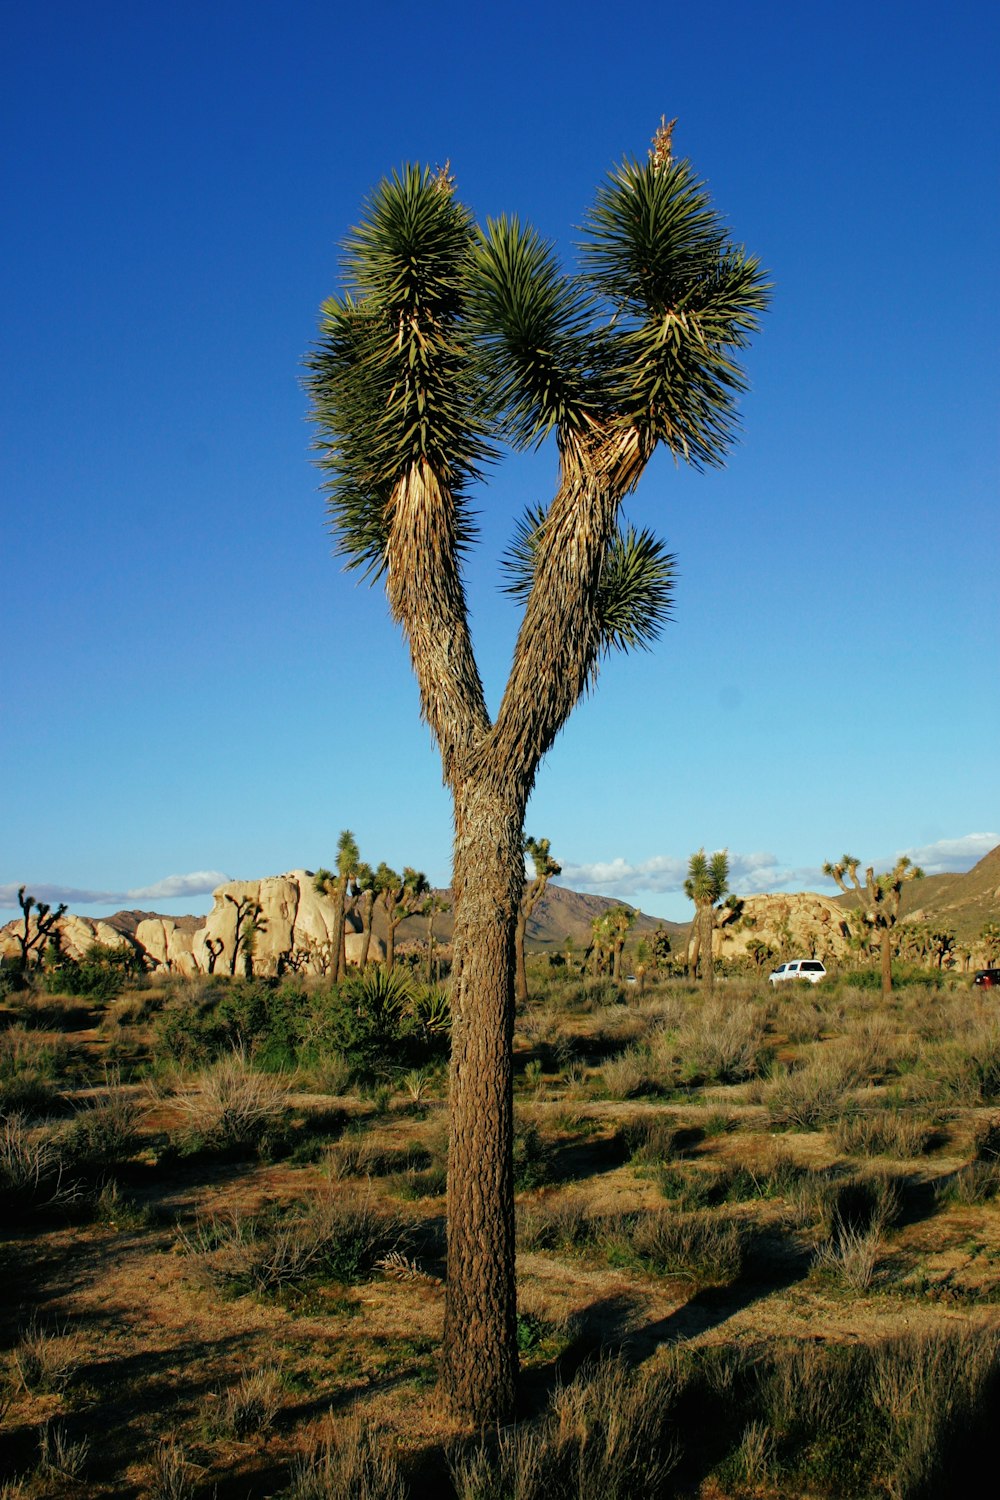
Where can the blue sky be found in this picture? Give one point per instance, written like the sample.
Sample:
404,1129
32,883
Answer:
191,688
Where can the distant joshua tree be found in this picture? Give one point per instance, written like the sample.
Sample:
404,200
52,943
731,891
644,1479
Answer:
32,941
255,924
610,933
363,893
707,885
435,906
534,890
334,883
214,947
878,900
989,941
401,897
248,914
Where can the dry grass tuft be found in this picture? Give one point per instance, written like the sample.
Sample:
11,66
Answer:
352,1459
609,1434
44,1362
230,1105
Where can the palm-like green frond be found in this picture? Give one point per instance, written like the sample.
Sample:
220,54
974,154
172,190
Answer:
707,878
636,587
393,379
683,301
535,334
518,562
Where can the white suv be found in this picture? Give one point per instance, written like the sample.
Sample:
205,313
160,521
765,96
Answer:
799,968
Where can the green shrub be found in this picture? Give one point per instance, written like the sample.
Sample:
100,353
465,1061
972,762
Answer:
103,972
531,1166
104,1133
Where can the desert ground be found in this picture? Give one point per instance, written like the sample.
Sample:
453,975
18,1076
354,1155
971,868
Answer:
759,1242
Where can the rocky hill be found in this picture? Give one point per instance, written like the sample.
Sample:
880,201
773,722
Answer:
297,925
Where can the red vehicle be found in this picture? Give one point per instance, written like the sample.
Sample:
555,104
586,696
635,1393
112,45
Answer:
987,979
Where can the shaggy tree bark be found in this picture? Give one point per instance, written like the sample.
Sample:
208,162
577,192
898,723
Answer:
480,1303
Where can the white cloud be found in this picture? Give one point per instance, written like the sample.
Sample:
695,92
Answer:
174,887
663,874
950,856
758,872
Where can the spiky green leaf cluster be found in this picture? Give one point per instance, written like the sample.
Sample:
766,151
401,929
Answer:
447,338
637,581
682,299
535,334
707,878
392,380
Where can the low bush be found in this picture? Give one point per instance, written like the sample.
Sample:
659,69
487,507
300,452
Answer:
230,1108
250,1406
335,1238
102,973
31,1063
628,1074
722,1043
531,1158
104,1133
808,1098
45,1361
33,1174
557,1223
701,1247
883,1132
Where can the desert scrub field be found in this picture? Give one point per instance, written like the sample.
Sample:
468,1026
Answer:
759,1242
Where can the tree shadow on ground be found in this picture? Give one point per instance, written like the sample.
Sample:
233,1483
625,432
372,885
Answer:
615,1326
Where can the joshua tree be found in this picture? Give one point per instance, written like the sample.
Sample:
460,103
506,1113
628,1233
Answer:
433,907
599,952
447,341
621,920
32,941
248,916
760,954
878,900
534,890
706,885
401,896
334,884
942,944
989,941
255,924
214,948
363,901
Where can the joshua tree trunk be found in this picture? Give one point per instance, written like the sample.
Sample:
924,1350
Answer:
695,949
520,976
367,901
480,1307
886,947
707,948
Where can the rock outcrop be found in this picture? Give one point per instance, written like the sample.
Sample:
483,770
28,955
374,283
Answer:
802,925
76,936
293,931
